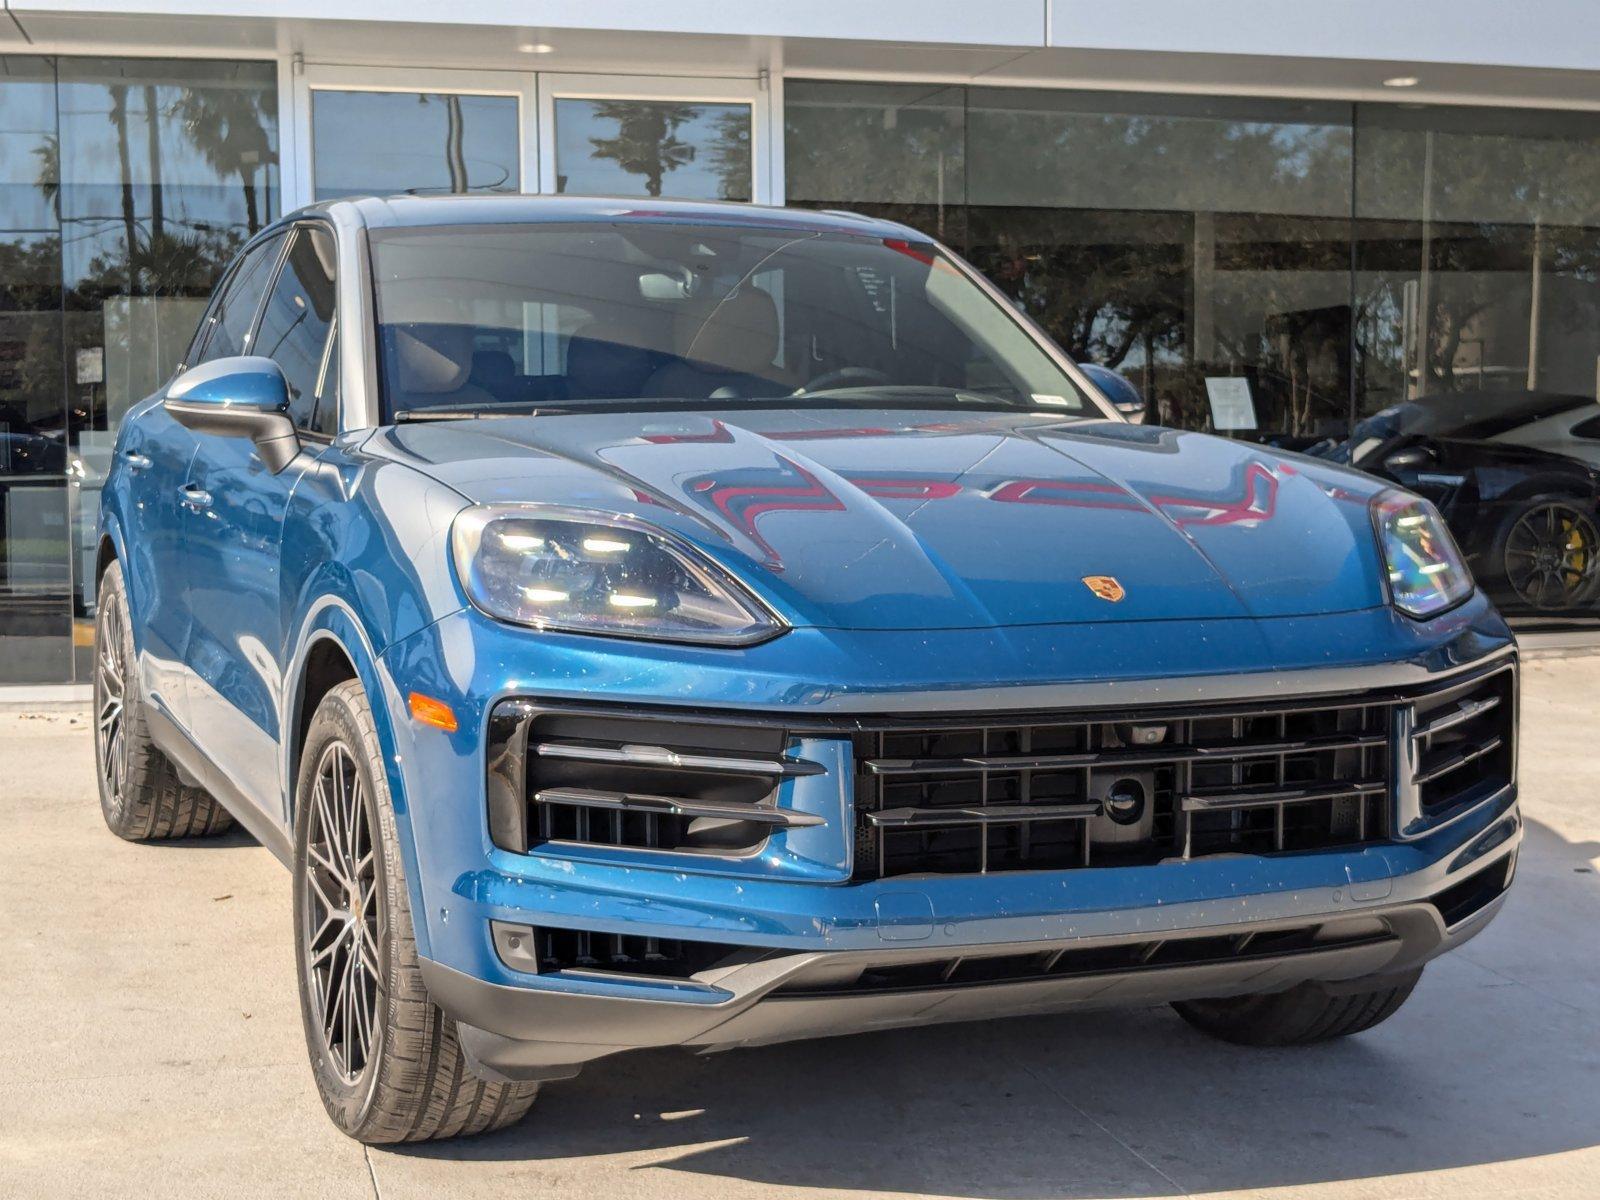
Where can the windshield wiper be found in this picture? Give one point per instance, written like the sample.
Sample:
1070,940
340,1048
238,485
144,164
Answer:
901,394
458,412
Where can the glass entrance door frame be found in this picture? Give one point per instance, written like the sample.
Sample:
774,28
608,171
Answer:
536,94
298,184
765,184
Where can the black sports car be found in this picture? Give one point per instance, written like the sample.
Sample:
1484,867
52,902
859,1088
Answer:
1515,474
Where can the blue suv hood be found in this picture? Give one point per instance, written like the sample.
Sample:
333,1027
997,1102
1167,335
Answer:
893,519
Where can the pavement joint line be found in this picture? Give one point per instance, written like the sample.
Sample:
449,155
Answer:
1098,1124
372,1172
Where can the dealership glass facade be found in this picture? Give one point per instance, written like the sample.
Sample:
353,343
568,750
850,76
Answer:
1412,289
125,187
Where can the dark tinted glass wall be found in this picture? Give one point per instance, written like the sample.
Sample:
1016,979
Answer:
1412,289
125,186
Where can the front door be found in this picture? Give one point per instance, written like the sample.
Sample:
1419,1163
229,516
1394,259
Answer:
236,646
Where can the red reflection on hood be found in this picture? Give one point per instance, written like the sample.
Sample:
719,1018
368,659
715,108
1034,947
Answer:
744,501
1066,494
908,489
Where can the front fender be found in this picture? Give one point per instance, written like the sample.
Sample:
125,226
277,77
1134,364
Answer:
364,563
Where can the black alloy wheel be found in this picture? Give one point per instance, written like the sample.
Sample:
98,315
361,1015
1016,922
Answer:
342,913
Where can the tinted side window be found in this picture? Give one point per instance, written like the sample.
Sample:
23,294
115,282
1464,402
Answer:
1587,429
299,314
231,315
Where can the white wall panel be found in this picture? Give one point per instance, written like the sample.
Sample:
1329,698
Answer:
1522,33
995,22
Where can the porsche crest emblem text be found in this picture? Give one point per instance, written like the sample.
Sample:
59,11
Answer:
1104,586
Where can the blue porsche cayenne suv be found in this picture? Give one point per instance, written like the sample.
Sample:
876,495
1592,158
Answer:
648,623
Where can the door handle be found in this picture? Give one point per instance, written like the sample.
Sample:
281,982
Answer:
135,460
195,498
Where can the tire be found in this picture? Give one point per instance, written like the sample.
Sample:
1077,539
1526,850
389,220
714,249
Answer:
386,1059
1301,1016
141,794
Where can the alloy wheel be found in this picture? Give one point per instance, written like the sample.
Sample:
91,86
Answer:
340,929
1551,556
110,688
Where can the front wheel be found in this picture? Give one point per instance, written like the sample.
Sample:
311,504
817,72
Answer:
1304,1014
386,1058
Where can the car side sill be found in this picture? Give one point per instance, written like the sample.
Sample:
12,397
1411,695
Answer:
176,745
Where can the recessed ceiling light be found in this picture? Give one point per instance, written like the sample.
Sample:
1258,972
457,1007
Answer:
536,47
1402,81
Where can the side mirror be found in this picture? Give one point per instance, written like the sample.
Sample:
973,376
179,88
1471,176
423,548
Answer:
238,397
1415,458
1124,396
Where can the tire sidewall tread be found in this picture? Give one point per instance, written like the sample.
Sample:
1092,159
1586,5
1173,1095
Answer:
155,803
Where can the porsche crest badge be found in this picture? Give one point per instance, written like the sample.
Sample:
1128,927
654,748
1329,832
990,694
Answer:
1104,586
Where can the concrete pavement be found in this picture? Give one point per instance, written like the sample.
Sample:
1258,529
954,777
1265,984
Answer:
153,1048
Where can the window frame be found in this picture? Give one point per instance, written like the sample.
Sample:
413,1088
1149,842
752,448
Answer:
321,77
666,89
290,228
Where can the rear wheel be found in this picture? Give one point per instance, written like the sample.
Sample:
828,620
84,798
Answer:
141,795
1549,553
1300,1016
386,1058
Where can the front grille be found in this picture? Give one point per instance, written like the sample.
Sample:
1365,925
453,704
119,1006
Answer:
1011,792
1095,792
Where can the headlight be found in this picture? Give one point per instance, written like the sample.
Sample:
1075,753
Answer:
1426,574
591,573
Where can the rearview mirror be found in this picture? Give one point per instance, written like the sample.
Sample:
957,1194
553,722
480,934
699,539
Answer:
238,397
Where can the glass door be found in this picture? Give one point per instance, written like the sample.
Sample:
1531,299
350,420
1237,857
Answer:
367,131
618,135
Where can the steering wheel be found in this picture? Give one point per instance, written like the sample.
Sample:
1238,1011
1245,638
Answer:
840,376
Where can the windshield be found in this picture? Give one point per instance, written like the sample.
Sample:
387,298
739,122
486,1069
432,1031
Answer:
632,314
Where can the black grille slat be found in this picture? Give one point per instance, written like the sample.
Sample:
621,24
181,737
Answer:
625,953
1465,742
1077,962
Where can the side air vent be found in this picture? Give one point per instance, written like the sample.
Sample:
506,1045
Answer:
1462,748
636,781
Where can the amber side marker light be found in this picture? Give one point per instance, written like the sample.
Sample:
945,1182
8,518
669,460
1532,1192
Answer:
429,711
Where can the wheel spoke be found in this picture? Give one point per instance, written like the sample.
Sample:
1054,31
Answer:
325,817
321,895
369,948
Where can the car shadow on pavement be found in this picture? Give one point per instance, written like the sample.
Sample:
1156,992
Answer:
1495,1059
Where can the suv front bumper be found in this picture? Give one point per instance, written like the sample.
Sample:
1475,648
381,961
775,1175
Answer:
872,949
